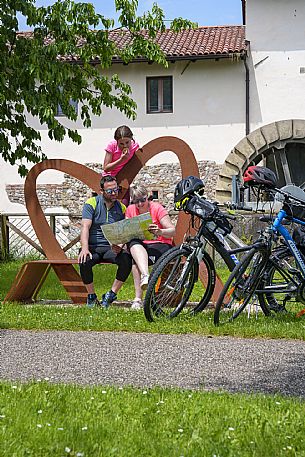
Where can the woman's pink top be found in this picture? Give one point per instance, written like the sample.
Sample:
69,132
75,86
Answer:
116,153
157,212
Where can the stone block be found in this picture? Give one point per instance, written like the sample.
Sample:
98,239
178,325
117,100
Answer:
270,132
224,186
228,170
236,159
223,196
285,129
298,128
245,148
257,139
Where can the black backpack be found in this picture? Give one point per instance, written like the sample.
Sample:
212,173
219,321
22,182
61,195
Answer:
298,236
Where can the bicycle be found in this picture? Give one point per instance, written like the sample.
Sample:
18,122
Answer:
264,274
173,276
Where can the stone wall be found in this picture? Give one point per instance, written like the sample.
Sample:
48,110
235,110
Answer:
71,194
50,195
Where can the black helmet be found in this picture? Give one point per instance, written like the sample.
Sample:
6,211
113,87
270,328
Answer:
256,175
187,186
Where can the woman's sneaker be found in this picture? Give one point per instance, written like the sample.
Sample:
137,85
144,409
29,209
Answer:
108,298
144,282
92,301
137,304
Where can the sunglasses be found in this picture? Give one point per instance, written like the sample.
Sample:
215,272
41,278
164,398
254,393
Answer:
139,200
112,191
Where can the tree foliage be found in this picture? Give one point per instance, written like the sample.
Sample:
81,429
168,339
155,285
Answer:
54,64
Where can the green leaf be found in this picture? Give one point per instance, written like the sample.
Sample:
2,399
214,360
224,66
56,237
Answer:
35,79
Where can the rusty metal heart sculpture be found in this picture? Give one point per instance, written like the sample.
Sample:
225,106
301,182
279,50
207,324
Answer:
56,256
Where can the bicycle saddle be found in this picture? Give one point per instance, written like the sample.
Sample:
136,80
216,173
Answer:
292,190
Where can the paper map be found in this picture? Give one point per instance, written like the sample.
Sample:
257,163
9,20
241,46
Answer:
123,231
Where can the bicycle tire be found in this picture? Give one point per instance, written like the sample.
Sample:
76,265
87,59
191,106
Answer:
241,286
283,278
208,270
165,297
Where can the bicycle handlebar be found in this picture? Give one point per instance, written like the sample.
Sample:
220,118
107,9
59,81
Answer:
228,216
234,206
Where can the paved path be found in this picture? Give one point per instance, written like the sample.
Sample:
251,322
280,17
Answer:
143,360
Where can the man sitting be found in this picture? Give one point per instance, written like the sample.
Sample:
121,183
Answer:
99,210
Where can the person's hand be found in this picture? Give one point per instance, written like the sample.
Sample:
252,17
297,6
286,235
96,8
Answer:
117,248
154,229
125,153
83,256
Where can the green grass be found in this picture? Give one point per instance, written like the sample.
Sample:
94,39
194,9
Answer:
53,290
43,419
75,318
41,317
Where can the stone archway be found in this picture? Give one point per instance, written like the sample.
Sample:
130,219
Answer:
266,142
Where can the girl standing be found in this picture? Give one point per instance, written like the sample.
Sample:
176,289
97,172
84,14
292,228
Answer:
118,153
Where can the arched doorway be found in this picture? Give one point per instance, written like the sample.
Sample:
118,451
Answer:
288,163
279,146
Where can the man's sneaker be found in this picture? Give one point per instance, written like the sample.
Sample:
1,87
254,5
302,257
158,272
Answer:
108,298
92,301
144,282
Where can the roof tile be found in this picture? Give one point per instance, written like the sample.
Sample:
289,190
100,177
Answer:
194,43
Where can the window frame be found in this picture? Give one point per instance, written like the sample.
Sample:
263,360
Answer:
155,194
160,80
59,111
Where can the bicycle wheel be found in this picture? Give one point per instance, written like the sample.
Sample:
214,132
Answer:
239,290
171,283
282,282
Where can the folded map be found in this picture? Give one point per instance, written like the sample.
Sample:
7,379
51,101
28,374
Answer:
123,231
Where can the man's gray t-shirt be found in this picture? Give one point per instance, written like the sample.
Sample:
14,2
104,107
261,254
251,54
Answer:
96,210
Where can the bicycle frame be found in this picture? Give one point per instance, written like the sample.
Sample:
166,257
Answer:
221,245
277,227
296,276
209,233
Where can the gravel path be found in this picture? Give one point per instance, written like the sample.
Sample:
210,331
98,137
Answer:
144,360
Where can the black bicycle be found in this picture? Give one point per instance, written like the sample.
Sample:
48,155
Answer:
174,275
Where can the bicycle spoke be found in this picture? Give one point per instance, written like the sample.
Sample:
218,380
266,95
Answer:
171,284
238,295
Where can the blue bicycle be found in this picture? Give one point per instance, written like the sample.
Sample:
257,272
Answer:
268,276
283,281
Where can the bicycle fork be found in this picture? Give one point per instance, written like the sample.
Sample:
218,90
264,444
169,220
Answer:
188,264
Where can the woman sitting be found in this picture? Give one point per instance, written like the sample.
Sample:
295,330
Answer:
145,251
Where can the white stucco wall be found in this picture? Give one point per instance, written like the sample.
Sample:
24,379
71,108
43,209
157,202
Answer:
275,29
209,114
207,96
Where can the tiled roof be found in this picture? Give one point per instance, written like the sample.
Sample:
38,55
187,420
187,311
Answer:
200,43
204,41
